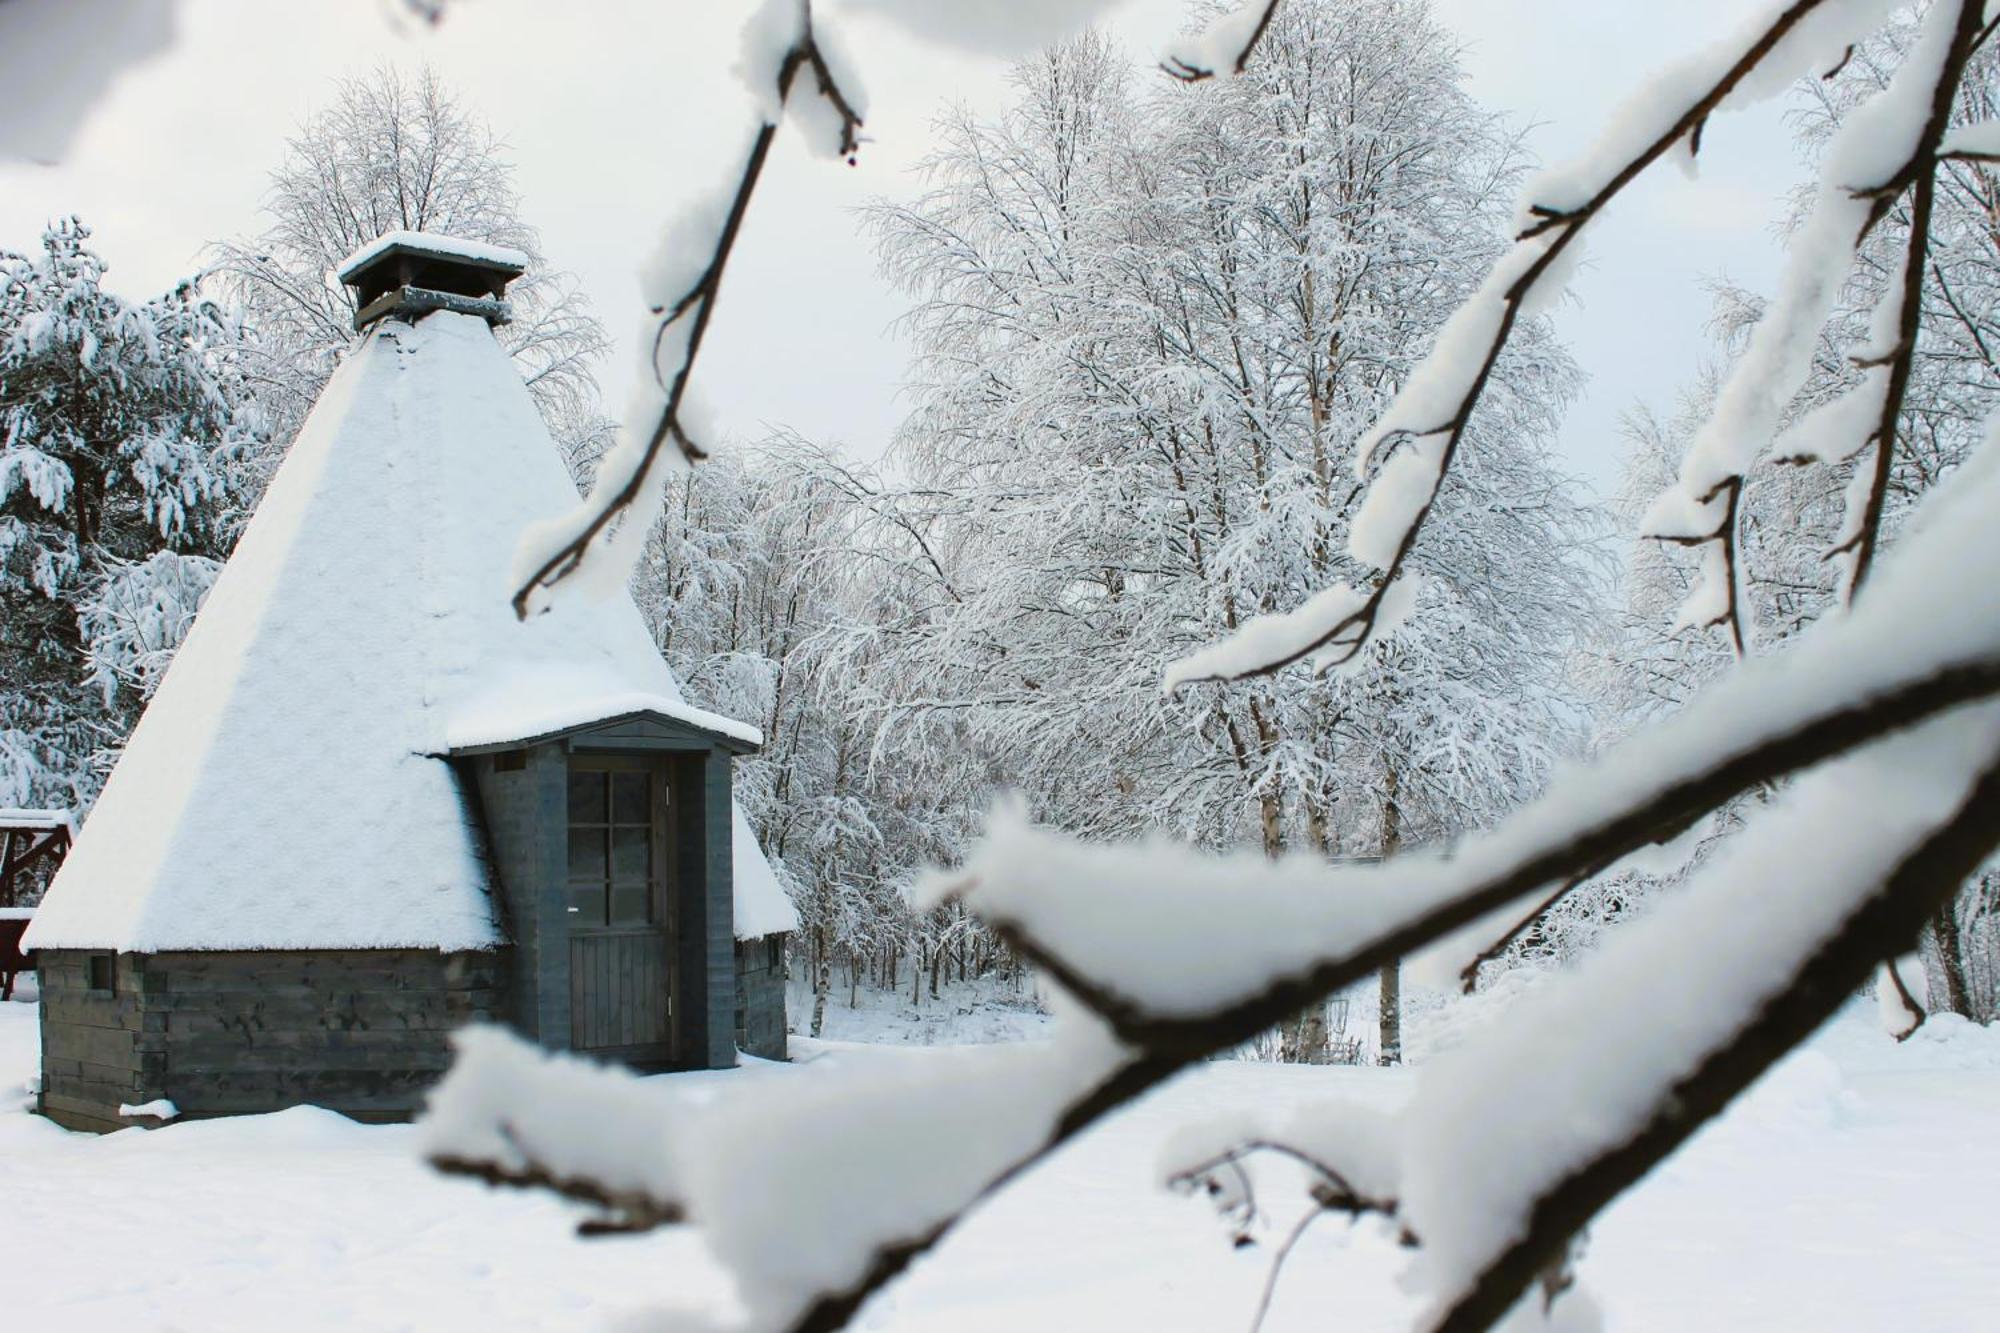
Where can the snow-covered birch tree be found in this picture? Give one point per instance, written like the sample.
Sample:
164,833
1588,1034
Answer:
1143,325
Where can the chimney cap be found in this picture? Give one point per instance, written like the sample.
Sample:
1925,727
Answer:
499,260
412,273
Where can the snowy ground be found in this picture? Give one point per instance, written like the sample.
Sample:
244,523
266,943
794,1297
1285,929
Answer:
1855,1190
962,1013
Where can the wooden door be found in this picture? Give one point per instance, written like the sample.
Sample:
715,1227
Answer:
621,910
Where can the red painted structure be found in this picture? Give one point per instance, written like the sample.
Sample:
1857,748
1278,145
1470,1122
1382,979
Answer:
30,841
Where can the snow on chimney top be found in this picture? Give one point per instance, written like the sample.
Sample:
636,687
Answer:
412,273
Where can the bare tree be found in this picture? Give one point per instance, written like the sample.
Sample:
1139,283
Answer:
391,153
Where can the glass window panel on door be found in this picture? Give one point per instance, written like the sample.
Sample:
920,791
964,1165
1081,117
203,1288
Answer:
589,847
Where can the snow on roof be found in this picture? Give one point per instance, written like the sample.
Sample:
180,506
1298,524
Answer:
531,706
762,905
429,243
50,820
283,789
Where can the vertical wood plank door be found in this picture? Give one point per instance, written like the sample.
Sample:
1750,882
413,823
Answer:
621,976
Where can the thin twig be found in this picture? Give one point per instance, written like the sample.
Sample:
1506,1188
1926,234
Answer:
1919,176
1298,1232
698,304
1188,73
1468,976
624,1210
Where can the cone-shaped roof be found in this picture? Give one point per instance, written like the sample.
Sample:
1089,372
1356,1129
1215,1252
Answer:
285,788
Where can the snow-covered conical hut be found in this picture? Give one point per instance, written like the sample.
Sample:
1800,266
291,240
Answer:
368,805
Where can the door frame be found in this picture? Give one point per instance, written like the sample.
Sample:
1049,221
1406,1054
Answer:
664,794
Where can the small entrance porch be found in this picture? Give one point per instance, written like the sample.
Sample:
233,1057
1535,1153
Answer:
612,846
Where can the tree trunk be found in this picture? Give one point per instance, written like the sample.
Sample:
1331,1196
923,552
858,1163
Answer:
1304,1039
822,978
1271,805
1390,1036
1950,947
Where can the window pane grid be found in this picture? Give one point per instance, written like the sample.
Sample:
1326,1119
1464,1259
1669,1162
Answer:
610,848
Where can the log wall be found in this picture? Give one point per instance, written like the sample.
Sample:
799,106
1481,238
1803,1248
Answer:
362,1032
760,997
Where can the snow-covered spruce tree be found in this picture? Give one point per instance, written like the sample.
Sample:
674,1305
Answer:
389,153
122,426
1878,724
1145,326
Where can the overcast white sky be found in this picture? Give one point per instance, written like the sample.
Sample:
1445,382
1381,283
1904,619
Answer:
612,107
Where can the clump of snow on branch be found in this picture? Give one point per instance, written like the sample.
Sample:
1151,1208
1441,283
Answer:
1266,638
1155,921
1584,1063
1878,138
1424,407
517,1107
1357,1147
796,1193
770,36
1810,47
794,1184
1894,1005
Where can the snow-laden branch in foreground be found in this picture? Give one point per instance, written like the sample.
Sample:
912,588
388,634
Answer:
509,1112
681,286
1226,46
803,1188
1420,433
801,1185
1515,1141
1889,145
